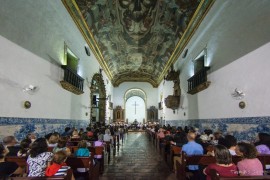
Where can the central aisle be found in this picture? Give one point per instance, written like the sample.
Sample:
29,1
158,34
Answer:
135,159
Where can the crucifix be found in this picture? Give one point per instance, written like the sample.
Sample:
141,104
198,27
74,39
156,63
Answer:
135,106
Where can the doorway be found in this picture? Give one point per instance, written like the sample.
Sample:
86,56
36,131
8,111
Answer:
135,110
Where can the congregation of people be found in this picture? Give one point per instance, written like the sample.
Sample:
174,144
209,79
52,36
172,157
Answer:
46,156
223,147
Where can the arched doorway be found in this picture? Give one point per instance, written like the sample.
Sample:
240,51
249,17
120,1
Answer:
135,105
98,99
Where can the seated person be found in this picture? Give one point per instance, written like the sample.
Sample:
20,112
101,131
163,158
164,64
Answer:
11,143
81,131
68,132
224,165
229,142
203,140
191,148
107,136
32,137
216,137
82,151
39,158
75,134
180,138
160,133
263,143
99,141
250,165
61,146
52,142
24,148
58,167
8,168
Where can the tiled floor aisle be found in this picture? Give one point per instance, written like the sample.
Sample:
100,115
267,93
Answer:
137,158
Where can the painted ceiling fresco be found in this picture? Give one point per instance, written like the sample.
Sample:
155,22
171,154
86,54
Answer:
135,39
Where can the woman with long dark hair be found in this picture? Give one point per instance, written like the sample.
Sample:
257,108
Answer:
39,159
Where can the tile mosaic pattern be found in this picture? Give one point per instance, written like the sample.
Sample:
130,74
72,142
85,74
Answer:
245,128
20,127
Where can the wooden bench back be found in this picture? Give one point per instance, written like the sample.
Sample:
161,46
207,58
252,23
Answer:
215,176
67,177
84,162
202,160
79,162
21,161
99,150
265,159
176,149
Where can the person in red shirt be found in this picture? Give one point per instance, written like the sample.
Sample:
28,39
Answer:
58,166
223,165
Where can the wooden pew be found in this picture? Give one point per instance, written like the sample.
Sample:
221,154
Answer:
174,151
84,162
215,176
201,160
204,160
98,150
21,161
265,160
67,177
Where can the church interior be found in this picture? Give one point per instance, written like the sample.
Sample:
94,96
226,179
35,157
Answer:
77,63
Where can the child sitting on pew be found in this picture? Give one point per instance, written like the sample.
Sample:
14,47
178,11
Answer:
58,166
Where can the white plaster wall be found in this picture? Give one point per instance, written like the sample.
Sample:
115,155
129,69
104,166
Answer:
151,93
31,52
250,74
237,58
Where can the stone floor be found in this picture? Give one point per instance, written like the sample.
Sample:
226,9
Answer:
136,158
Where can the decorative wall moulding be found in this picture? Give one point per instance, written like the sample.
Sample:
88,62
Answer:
172,102
69,87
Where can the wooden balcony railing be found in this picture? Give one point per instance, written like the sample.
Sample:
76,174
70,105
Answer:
72,81
198,81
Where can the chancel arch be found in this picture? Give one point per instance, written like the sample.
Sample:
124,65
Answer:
135,105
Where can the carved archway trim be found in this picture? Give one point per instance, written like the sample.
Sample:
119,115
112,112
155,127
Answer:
135,92
97,85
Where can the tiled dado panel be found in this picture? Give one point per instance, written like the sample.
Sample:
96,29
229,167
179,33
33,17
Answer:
20,127
245,128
